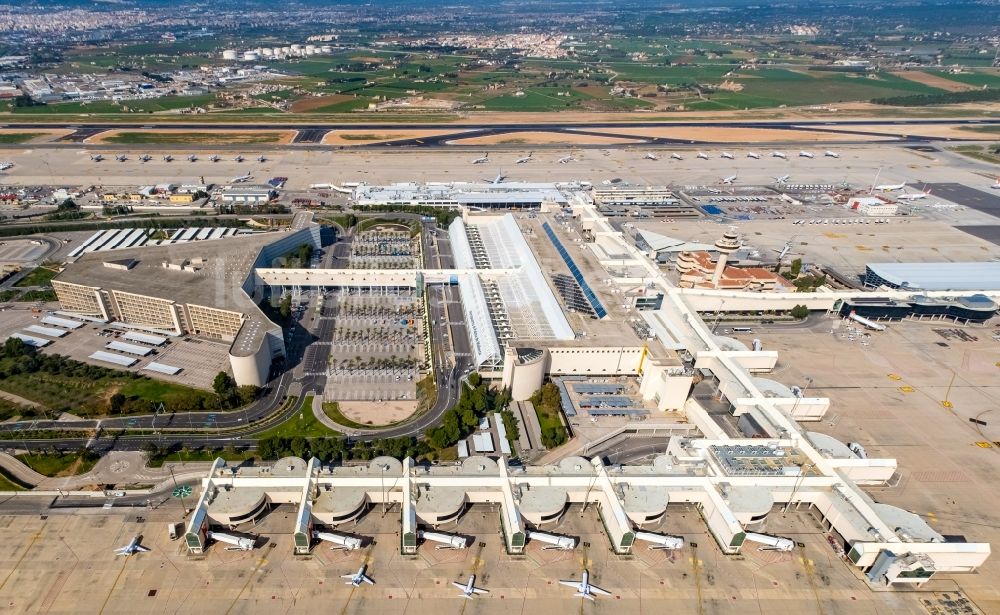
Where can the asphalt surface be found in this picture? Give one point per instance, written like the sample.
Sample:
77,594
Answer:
968,197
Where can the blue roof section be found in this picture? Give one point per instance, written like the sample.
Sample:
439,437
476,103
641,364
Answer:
577,274
939,276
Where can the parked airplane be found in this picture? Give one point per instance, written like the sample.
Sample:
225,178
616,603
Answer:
650,156
121,157
6,165
779,155
168,158
786,249
97,157
482,160
524,159
241,179
358,578
239,158
728,155
676,156
729,180
145,158
469,590
889,187
261,158
132,547
214,158
584,589
753,155
783,179
498,179
703,155
830,154
805,154
916,196
567,159
192,158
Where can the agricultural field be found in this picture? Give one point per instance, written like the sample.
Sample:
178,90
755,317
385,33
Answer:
9,138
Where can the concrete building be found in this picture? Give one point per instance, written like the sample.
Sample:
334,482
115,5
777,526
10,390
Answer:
872,206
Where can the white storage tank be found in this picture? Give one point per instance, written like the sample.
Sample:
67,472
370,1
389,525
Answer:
310,50
297,49
326,49
250,56
267,52
229,54
286,50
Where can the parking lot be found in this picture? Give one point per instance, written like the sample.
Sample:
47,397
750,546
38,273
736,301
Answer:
376,346
386,246
199,359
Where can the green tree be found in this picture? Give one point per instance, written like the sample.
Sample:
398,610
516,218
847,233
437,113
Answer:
223,384
799,311
796,267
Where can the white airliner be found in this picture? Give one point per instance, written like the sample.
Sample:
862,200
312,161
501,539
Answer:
261,158
524,159
145,158
830,154
676,156
241,179
6,165
781,180
97,157
703,155
730,179
889,187
483,160
728,155
192,158
498,179
566,159
651,156
584,589
214,158
358,578
239,158
168,158
469,590
915,196
779,155
121,157
805,154
132,547
753,155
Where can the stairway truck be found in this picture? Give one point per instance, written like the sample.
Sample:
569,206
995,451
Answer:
339,541
771,543
445,541
564,543
660,541
238,543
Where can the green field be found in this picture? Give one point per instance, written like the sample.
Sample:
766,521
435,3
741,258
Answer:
185,455
7,483
536,99
193,138
166,103
46,294
40,276
59,464
18,137
303,423
985,153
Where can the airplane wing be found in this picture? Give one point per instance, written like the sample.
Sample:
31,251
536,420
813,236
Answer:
459,585
597,590
121,551
583,595
570,583
142,549
368,581
347,576
480,591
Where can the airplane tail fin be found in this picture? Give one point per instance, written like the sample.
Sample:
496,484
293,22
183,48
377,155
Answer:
583,595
